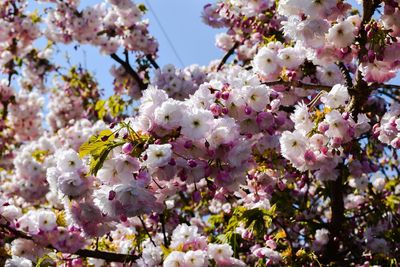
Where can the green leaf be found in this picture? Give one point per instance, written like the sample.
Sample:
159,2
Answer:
45,261
98,147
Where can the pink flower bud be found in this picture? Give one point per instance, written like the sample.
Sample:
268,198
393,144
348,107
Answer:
248,110
111,195
188,144
192,163
127,148
225,95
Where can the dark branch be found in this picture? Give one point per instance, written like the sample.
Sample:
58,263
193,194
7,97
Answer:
300,84
393,97
147,231
130,70
152,61
162,220
346,74
385,86
227,55
107,256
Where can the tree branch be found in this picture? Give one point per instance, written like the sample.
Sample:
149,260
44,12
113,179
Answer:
227,55
346,74
337,219
147,231
107,256
393,97
152,61
130,70
300,84
385,86
162,220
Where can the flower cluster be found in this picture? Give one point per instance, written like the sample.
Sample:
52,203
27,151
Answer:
74,98
109,27
269,160
190,248
24,117
318,147
179,84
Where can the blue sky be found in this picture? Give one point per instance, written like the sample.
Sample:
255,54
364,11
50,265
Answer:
180,19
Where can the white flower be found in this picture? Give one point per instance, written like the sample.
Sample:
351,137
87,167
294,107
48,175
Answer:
219,251
169,114
184,233
10,212
151,99
273,255
224,131
157,155
293,144
338,96
309,31
257,97
322,236
291,7
18,262
265,61
301,118
329,74
119,169
224,41
361,183
47,220
96,262
337,125
129,199
25,248
71,184
291,57
68,161
151,255
341,34
196,258
196,123
175,259
378,182
318,8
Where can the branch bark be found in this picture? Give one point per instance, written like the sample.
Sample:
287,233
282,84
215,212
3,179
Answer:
130,70
346,74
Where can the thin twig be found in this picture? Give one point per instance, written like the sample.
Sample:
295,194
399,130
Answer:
162,220
147,231
227,55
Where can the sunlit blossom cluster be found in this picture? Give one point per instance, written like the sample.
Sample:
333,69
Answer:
285,156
